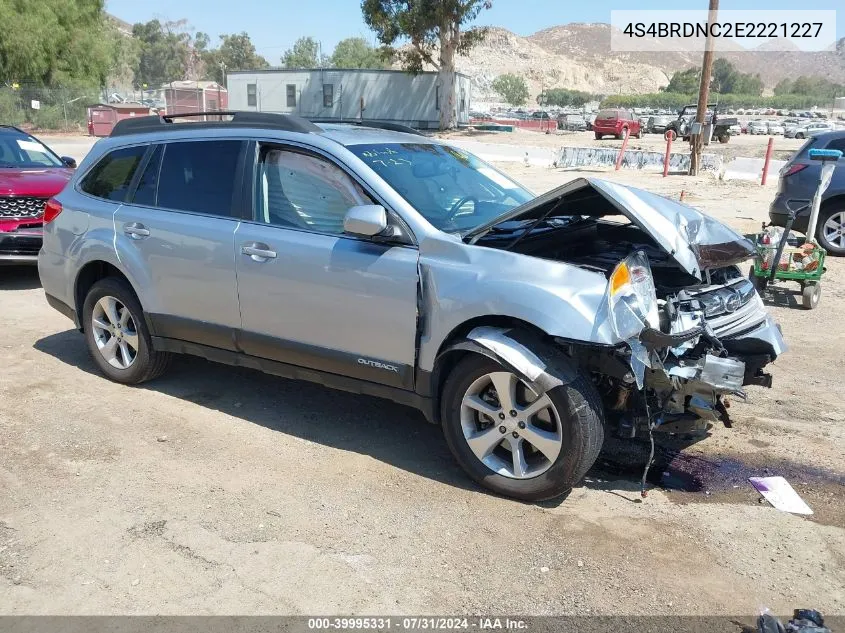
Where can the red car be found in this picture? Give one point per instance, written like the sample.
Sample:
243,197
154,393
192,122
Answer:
30,174
618,122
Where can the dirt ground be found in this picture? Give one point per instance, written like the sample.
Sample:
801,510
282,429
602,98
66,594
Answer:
215,490
751,146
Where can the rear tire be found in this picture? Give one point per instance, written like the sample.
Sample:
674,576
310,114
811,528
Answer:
572,422
799,135
117,335
598,136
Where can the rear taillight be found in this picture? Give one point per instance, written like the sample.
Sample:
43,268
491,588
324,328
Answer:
793,169
51,210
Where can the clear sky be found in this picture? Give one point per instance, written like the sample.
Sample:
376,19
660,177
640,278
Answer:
274,25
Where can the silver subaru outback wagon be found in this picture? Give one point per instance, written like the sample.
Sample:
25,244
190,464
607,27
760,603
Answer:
387,263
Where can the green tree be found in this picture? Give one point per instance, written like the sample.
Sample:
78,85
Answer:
723,76
52,41
432,28
236,52
512,89
726,79
305,53
563,97
748,84
165,52
784,87
684,81
356,52
125,56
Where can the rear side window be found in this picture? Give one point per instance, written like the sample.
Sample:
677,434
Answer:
837,143
199,176
145,193
110,178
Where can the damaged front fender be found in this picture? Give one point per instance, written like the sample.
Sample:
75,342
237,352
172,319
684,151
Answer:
543,369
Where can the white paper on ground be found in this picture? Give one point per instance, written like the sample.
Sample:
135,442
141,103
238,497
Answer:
778,492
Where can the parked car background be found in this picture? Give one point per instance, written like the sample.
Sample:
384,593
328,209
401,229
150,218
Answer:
809,129
774,128
616,122
30,173
797,185
758,126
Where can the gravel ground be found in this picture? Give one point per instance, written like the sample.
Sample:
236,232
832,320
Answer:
216,490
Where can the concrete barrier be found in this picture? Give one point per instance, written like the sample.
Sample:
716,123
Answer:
751,169
633,159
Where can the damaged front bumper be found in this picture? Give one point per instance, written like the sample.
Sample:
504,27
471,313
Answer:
689,381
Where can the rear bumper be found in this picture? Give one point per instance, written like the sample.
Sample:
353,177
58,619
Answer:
779,214
20,246
606,130
64,308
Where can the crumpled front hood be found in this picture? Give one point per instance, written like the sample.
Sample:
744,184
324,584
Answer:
694,240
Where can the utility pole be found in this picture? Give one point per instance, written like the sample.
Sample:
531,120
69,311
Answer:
703,91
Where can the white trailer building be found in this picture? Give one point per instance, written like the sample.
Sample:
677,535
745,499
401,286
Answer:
336,94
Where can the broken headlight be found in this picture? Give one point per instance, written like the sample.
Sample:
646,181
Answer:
632,300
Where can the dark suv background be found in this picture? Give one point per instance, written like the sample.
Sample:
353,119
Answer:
797,185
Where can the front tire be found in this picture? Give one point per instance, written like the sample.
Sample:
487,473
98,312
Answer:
117,335
549,440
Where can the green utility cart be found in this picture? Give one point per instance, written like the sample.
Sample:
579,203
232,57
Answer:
803,263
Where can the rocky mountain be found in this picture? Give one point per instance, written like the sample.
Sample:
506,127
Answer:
578,56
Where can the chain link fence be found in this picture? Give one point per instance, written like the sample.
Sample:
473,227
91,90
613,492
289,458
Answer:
60,108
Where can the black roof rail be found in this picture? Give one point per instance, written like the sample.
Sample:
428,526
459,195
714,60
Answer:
380,125
267,120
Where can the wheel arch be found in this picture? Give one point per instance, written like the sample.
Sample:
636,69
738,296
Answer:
92,272
457,346
836,200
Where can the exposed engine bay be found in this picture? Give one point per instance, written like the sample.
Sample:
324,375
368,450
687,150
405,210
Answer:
696,330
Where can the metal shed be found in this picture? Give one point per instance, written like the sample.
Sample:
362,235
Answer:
103,116
352,94
182,97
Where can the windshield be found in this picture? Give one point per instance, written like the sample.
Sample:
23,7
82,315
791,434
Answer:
452,189
19,150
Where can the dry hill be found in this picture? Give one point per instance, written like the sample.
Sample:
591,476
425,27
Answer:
578,56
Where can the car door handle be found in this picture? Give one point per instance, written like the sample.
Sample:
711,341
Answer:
135,230
258,252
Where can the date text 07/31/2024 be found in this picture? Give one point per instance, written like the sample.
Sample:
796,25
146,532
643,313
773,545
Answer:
417,624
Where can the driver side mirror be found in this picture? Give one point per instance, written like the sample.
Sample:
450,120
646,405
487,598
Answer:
69,161
367,220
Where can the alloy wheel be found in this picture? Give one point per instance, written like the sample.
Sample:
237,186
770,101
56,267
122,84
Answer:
115,334
510,428
834,230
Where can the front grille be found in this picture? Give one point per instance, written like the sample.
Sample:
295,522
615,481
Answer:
24,207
